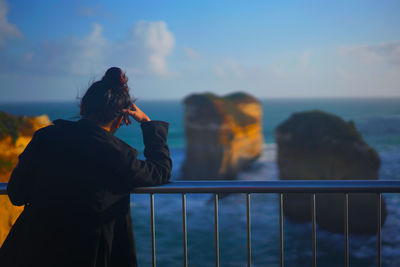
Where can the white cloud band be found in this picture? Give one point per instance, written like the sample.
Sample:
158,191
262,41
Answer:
7,30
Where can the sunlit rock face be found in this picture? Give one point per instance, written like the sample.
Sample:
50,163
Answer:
15,134
223,135
315,145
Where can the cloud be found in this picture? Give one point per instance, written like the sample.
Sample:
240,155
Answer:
90,52
230,69
143,52
156,41
89,11
233,70
77,56
7,30
275,71
388,52
97,11
191,54
305,58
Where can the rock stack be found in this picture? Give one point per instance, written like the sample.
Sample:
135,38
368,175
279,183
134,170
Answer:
315,145
223,135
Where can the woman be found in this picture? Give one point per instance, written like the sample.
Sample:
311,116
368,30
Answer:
75,179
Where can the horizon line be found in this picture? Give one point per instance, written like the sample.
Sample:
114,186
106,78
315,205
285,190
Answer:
181,99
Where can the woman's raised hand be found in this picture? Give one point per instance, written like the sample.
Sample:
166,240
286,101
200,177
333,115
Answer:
136,113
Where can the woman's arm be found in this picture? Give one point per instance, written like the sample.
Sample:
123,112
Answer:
156,169
156,152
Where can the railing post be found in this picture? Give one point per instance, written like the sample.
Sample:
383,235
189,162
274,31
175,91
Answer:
153,233
379,225
216,230
281,259
248,230
346,230
185,264
314,237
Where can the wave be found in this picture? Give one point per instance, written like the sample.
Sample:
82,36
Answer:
265,167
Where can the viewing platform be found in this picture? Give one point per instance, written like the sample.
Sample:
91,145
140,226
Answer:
377,187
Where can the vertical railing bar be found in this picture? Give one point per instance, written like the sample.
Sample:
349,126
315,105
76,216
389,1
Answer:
248,230
281,230
314,243
346,230
153,233
185,264
379,230
216,230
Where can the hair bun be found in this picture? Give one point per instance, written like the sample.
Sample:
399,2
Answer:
115,77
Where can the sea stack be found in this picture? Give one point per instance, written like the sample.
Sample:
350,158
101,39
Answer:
15,134
315,145
223,135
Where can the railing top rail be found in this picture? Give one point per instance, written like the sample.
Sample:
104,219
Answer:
281,186
292,186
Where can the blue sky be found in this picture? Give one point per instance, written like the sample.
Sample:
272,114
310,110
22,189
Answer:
51,50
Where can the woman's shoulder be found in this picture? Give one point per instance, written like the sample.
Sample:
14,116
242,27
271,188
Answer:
56,126
80,132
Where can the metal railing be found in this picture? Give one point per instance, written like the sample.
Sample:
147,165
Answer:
280,187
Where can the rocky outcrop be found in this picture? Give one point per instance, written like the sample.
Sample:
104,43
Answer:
315,145
15,134
223,135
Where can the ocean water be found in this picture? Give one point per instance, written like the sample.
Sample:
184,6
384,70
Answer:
378,120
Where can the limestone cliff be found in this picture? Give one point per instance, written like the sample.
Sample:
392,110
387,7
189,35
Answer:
315,145
15,134
223,135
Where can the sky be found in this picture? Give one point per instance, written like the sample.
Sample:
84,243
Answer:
51,50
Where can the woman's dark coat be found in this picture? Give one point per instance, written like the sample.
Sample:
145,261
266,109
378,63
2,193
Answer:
74,179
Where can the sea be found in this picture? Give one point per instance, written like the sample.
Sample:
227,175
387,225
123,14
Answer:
378,120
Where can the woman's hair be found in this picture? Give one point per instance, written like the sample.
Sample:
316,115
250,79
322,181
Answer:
104,100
